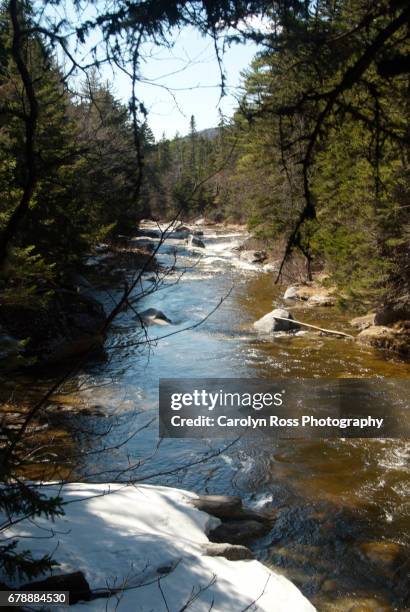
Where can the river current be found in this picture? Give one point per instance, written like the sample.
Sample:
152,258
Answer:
331,498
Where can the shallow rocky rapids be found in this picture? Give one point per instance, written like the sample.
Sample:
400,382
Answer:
341,525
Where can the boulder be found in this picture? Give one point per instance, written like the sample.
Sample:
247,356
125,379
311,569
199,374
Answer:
227,507
232,552
254,256
194,241
222,506
363,322
375,335
198,233
237,531
313,294
153,316
180,233
75,583
389,338
269,323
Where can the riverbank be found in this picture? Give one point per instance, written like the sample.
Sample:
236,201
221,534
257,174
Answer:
67,321
148,545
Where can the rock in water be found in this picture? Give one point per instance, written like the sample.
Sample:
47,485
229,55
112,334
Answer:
222,506
153,316
195,242
180,233
227,507
254,257
237,532
269,323
389,338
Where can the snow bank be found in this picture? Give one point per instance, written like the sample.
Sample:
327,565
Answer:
149,539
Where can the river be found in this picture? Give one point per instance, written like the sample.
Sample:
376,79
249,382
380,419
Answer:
331,497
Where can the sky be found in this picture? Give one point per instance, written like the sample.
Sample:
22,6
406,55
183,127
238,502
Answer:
190,70
177,81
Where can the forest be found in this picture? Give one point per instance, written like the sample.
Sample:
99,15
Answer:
313,163
316,155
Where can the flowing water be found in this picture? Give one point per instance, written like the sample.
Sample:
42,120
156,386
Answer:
331,498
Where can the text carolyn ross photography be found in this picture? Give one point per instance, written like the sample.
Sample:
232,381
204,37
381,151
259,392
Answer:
275,421
206,399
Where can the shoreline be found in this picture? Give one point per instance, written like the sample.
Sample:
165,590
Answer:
134,538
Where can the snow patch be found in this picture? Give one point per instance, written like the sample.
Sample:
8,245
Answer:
148,541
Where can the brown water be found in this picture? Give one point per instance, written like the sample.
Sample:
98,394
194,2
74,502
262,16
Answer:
330,498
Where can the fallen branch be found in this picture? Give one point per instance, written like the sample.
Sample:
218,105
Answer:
321,329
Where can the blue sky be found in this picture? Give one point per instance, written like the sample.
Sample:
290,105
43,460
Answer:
191,71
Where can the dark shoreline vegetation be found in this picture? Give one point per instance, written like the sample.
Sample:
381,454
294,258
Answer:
313,164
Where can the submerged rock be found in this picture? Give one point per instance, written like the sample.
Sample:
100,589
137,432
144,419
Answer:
269,323
383,554
237,532
153,316
389,561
